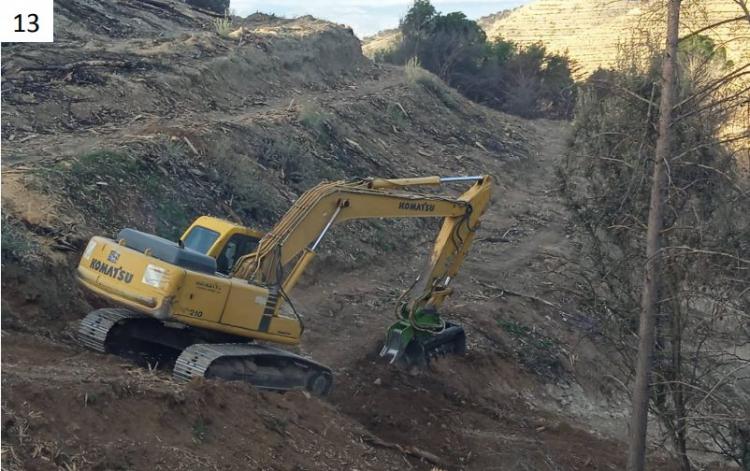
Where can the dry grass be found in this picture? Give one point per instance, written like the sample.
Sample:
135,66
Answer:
417,76
223,26
414,71
321,123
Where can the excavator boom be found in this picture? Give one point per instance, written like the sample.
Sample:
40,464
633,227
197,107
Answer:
300,231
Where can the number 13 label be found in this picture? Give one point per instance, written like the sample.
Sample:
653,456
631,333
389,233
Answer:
26,21
32,20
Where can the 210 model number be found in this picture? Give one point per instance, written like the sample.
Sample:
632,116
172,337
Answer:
194,313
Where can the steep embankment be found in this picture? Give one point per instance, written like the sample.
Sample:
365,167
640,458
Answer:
142,115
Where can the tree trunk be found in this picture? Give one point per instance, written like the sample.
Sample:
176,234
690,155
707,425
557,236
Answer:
678,389
640,400
677,385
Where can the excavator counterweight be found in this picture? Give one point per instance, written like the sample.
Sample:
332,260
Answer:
215,299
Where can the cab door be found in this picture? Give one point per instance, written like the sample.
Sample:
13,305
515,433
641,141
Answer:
237,246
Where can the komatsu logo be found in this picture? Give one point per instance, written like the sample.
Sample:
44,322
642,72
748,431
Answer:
111,271
411,205
113,256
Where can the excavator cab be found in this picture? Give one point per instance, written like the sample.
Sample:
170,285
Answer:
220,239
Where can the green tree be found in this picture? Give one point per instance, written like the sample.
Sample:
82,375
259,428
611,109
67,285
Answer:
528,81
500,51
418,20
455,44
415,28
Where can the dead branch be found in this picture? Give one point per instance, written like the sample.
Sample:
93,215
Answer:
625,91
707,252
741,95
505,291
740,137
712,26
715,84
406,450
190,144
721,381
743,5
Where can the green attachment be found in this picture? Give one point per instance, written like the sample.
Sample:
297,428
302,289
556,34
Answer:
425,318
397,338
414,343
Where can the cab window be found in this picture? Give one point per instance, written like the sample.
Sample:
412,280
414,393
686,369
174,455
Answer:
200,239
237,246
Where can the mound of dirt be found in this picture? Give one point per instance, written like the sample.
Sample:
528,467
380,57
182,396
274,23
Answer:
67,409
147,113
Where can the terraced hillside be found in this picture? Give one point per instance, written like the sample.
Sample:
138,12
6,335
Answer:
594,32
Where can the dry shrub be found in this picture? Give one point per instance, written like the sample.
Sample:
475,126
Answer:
702,316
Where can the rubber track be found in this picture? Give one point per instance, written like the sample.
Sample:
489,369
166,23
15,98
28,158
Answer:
94,328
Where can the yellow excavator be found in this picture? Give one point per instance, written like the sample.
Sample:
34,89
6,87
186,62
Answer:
217,298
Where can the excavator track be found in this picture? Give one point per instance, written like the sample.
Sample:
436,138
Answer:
263,366
96,326
130,334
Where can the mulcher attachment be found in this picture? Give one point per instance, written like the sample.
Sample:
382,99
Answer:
414,343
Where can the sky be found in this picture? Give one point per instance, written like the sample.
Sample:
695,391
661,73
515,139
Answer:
367,17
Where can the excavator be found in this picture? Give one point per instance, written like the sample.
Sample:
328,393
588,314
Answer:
219,298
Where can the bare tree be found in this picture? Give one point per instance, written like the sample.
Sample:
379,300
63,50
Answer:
647,330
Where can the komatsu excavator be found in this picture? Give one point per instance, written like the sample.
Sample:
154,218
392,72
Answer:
219,296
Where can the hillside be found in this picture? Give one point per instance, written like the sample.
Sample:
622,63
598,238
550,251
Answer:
612,34
598,33
146,114
594,32
382,41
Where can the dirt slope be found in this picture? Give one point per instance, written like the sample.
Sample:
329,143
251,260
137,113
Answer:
141,115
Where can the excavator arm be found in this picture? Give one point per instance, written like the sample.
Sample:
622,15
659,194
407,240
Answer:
284,253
